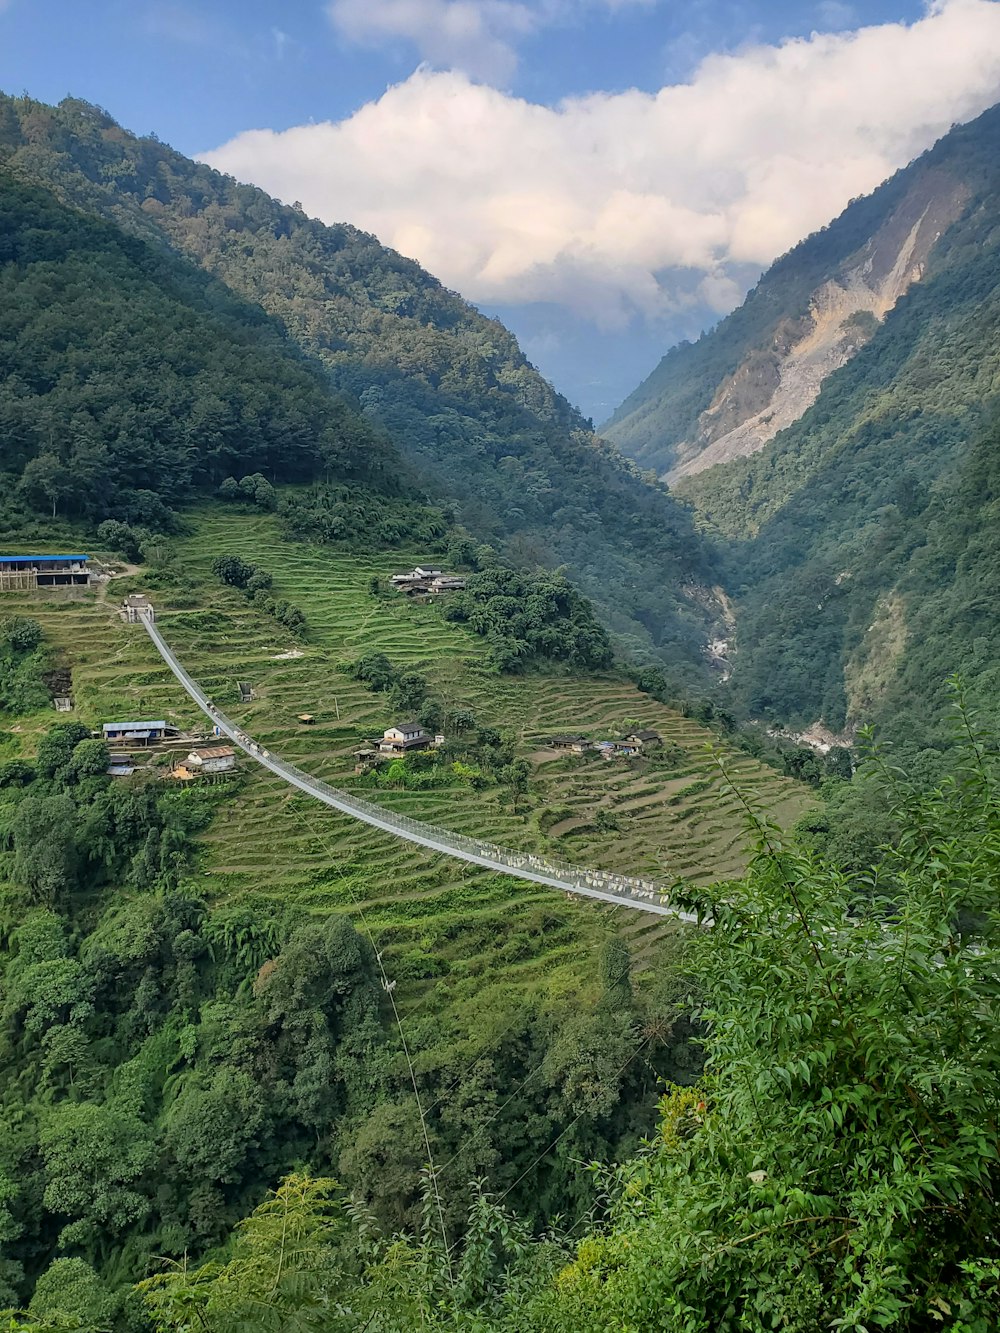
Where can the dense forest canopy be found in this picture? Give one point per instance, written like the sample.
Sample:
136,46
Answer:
130,380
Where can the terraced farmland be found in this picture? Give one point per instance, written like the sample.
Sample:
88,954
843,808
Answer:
444,925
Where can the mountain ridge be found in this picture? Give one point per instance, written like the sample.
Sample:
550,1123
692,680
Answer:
479,426
730,393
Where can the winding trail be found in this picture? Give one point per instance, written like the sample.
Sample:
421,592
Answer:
622,890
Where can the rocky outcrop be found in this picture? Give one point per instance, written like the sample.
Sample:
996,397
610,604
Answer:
774,385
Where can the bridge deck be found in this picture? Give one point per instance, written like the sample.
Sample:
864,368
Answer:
622,890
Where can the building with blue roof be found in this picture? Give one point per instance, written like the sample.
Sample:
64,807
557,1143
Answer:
20,572
137,733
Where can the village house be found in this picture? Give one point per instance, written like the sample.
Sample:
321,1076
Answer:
403,738
419,574
136,733
426,582
216,759
577,744
636,743
644,739
21,573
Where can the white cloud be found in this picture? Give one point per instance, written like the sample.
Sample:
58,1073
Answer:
612,204
479,37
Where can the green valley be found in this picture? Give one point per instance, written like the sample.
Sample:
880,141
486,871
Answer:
267,1067
466,950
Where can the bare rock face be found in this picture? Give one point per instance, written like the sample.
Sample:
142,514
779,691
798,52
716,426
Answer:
774,386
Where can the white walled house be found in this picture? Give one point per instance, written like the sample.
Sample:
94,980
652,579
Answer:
217,759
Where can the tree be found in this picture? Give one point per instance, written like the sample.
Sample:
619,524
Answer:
96,1159
20,634
90,759
70,1287
515,777
47,480
234,570
212,1134
375,670
154,548
616,973
45,846
121,537
55,749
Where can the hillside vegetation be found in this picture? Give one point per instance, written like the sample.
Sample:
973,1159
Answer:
194,972
452,389
130,380
834,1163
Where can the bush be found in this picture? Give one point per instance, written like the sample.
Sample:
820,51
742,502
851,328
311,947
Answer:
20,634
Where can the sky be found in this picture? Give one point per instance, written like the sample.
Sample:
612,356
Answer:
607,176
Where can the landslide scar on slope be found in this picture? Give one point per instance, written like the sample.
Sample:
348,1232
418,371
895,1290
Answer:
775,385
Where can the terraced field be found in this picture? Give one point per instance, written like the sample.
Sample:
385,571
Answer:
444,927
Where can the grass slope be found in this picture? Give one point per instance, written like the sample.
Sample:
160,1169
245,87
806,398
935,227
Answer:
445,928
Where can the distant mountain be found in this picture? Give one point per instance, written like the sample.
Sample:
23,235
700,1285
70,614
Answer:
725,396
876,344
451,388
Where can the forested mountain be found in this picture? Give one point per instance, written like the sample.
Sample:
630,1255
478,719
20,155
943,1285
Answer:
841,522
128,378
451,388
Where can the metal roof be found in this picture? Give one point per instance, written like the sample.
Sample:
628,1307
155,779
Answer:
134,726
10,559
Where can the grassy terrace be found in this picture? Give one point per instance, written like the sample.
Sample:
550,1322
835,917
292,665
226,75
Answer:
445,927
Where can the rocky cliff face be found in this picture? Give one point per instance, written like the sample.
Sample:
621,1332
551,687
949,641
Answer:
774,385
727,395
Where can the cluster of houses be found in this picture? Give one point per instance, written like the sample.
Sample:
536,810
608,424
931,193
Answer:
627,747
426,582
132,737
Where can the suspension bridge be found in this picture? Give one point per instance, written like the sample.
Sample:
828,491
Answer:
643,895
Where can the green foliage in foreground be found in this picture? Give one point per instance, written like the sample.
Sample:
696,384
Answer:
836,1168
